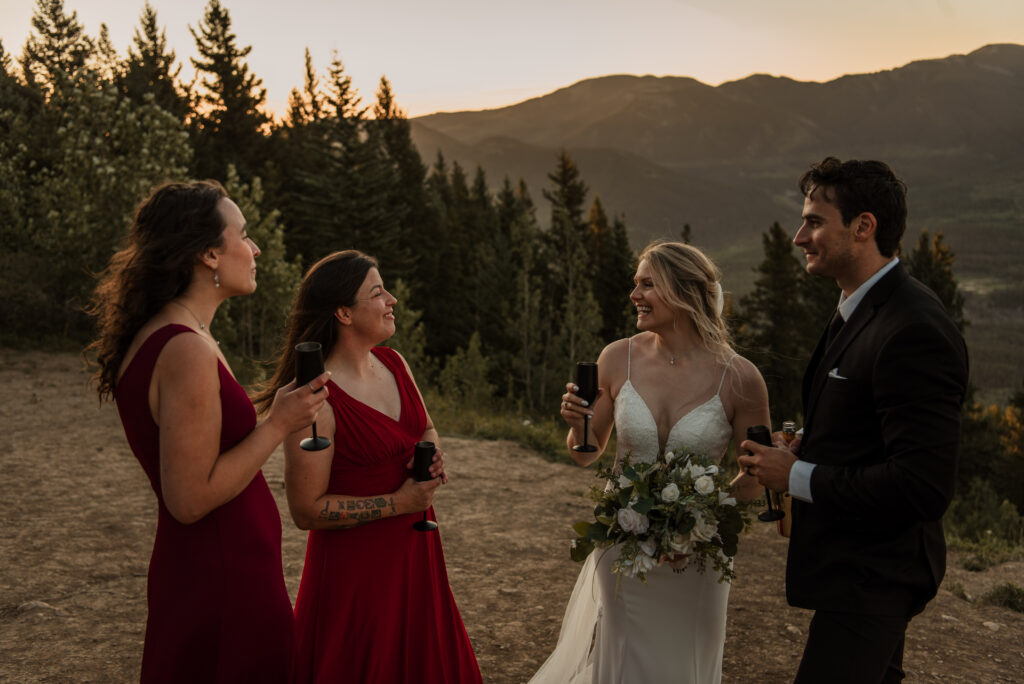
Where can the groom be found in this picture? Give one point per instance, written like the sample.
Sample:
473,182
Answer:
875,469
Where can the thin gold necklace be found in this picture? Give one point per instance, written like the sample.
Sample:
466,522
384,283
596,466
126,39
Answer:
202,326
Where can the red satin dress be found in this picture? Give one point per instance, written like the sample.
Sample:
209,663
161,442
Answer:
374,604
218,607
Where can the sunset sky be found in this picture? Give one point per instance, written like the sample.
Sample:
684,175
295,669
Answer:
451,55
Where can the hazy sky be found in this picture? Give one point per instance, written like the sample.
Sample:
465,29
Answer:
475,54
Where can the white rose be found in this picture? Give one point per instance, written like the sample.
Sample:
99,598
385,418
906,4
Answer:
679,543
632,522
703,530
669,457
695,470
648,546
711,470
704,484
725,500
670,493
643,563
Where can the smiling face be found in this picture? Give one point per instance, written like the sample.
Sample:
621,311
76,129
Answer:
236,257
828,244
373,312
652,311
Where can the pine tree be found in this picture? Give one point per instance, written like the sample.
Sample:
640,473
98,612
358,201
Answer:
317,195
228,124
56,50
306,106
21,262
774,327
410,338
464,378
433,272
102,154
250,328
151,69
105,61
613,269
931,262
407,194
520,302
570,258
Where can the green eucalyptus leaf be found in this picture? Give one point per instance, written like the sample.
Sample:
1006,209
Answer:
643,505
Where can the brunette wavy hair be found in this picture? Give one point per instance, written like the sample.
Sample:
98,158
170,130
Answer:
171,229
689,281
332,282
854,187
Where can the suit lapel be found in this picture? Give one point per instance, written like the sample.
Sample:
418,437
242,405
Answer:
826,355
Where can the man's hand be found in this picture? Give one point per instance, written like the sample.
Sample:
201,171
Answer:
770,465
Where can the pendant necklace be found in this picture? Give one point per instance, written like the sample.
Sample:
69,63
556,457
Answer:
202,326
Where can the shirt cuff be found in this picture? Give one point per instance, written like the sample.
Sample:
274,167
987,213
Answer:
800,481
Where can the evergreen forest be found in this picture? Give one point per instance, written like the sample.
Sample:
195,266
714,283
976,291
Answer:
501,287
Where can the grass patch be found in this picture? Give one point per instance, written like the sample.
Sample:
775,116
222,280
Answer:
957,589
1007,595
978,555
545,435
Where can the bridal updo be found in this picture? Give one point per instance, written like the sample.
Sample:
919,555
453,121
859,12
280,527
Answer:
689,281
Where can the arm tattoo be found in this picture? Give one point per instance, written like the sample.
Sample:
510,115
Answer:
357,511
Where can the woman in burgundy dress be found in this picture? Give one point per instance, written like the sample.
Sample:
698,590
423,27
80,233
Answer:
374,603
218,607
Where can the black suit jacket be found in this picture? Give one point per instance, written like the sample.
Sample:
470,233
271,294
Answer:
882,408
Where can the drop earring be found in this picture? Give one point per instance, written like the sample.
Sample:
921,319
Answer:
216,278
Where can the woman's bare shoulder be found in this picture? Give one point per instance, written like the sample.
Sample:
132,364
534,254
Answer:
745,380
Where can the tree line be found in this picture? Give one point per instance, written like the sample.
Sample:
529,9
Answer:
498,296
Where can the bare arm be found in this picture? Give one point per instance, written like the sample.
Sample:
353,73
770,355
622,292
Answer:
429,432
748,397
308,474
610,366
195,477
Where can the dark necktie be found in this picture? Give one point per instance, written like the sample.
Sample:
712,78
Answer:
834,326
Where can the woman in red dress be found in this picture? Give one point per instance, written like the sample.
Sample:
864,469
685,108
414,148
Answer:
218,607
374,604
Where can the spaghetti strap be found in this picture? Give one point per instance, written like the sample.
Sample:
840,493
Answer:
722,381
629,352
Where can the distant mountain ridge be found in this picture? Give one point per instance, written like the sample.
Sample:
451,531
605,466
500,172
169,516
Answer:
671,150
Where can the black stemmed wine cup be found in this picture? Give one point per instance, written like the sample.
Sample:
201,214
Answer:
423,456
309,364
762,435
586,381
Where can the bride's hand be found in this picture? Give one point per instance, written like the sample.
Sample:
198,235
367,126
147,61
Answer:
573,409
676,561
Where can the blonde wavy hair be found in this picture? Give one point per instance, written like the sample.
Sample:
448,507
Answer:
689,281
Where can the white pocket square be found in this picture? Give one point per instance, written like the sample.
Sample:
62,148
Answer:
834,373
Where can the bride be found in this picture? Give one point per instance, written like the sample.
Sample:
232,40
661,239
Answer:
677,386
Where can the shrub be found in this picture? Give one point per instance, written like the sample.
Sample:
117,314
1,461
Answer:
1007,595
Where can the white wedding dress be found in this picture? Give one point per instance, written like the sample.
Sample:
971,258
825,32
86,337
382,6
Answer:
673,628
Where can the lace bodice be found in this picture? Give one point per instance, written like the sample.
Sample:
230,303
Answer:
705,429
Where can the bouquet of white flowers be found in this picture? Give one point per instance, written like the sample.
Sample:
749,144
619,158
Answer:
678,507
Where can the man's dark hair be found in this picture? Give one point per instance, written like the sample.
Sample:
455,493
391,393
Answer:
855,187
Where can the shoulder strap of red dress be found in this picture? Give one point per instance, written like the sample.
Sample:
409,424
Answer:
147,354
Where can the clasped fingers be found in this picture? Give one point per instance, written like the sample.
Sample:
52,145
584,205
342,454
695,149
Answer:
437,467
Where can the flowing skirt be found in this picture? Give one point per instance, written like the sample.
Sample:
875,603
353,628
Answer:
620,630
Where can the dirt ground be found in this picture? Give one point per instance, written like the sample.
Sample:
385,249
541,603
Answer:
77,519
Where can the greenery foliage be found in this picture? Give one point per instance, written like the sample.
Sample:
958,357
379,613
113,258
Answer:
1007,595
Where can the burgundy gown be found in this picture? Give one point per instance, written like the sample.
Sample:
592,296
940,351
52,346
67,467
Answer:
218,607
374,603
